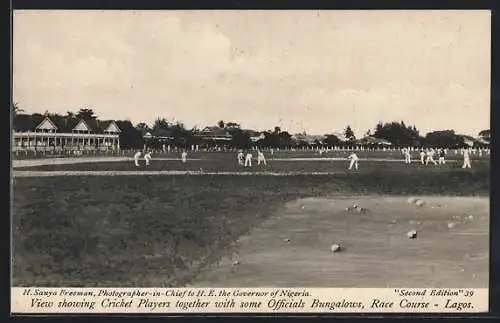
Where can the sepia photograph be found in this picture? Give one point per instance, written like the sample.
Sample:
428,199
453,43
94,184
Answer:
251,148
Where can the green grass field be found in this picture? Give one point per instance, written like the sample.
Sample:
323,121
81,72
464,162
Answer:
167,230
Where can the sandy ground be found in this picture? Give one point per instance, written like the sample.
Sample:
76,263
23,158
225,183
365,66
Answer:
451,250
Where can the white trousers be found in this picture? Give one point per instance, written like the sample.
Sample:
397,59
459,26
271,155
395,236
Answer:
442,161
136,162
248,162
148,160
466,163
261,160
353,163
408,159
430,159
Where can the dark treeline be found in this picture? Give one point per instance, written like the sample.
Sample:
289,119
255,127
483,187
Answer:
174,133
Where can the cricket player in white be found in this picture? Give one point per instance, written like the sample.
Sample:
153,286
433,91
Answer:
147,158
466,153
136,158
260,158
240,158
422,156
407,156
354,161
430,157
184,156
248,159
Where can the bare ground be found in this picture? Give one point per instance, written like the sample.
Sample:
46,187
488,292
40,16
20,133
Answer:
451,249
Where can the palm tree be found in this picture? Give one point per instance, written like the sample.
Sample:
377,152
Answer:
16,109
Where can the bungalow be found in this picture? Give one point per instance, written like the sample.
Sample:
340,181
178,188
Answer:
215,135
255,135
45,132
309,139
372,141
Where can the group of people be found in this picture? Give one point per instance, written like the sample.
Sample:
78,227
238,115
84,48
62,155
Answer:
147,157
245,160
427,156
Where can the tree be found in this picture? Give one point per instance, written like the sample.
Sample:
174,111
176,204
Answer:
444,138
277,130
16,109
70,114
349,134
240,139
331,141
86,114
221,124
143,128
397,133
485,134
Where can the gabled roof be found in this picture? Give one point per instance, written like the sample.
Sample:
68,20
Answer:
46,124
214,131
110,126
82,126
63,124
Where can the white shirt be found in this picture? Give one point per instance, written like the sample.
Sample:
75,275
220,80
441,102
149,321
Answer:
148,155
240,155
249,156
353,157
430,153
137,155
466,154
261,155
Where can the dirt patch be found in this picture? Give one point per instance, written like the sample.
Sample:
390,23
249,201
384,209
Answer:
292,248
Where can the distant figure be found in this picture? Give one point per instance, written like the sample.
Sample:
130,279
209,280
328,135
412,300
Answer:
354,161
466,153
248,159
407,156
184,156
422,156
272,151
136,158
430,157
147,158
241,158
260,158
441,157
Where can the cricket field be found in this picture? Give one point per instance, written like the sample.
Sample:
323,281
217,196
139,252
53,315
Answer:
102,222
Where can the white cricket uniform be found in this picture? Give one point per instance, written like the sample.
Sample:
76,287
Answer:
240,158
422,157
248,160
466,154
184,156
430,157
261,159
407,156
136,158
147,158
354,161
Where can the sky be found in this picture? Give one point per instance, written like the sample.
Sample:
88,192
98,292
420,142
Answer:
312,71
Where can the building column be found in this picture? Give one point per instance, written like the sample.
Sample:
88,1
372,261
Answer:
118,145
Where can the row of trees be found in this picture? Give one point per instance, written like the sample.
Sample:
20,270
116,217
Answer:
176,134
